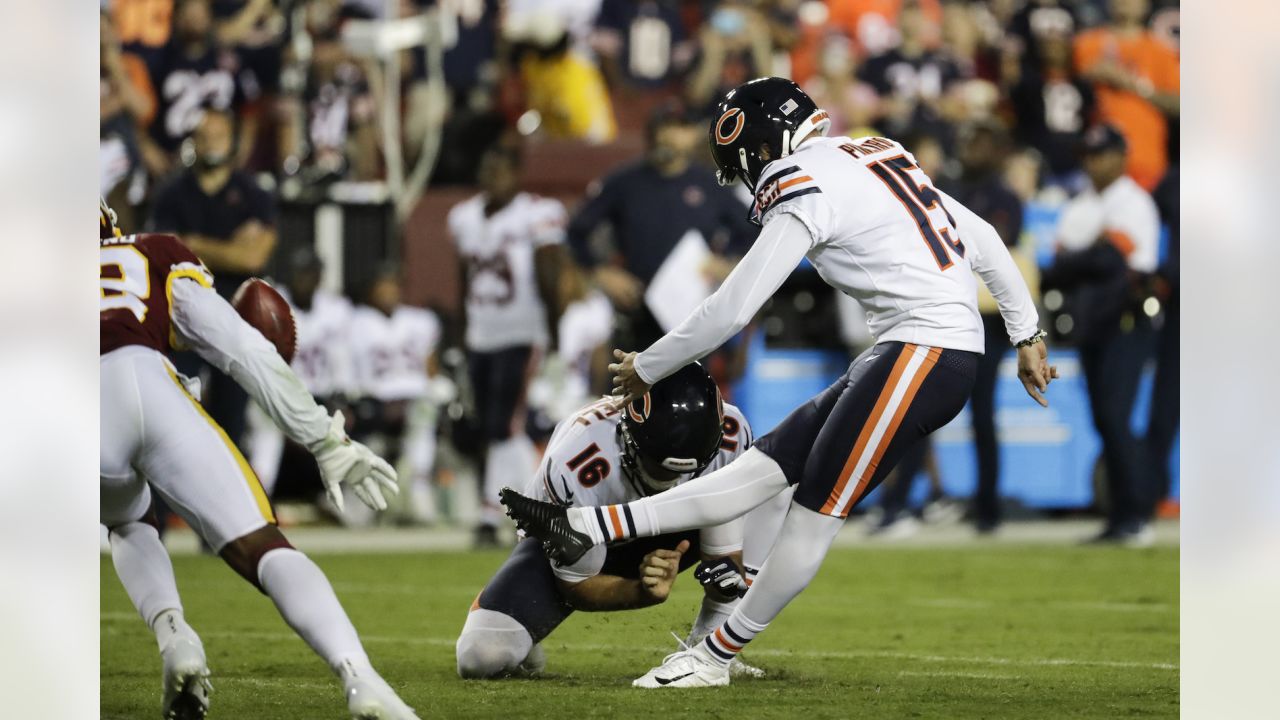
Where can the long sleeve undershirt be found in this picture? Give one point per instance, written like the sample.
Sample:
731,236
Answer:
211,327
998,271
782,244
779,249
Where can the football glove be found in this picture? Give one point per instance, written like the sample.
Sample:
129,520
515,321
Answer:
721,577
342,460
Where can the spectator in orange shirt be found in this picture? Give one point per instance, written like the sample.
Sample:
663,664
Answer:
872,23
1137,82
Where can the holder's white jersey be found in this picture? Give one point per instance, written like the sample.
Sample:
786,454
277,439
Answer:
875,228
583,468
502,304
389,354
323,357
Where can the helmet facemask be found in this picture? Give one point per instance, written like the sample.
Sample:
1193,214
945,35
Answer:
639,468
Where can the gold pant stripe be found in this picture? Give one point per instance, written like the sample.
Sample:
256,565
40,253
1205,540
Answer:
255,485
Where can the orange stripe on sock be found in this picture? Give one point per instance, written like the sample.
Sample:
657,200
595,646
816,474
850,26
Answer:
865,436
617,522
720,637
921,373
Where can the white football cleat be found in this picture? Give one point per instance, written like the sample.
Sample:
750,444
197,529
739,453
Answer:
740,669
687,668
186,678
371,698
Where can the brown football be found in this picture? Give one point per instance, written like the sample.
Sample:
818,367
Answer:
263,308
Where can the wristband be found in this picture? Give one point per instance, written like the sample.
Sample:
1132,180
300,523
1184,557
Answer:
1038,337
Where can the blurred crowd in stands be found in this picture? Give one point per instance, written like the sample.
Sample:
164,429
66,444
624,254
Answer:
215,111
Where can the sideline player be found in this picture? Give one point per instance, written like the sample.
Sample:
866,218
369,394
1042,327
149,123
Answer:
156,297
512,248
874,226
676,431
394,358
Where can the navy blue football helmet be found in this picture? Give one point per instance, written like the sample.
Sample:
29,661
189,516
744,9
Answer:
675,429
772,111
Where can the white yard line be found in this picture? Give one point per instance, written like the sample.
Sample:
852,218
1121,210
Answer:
335,540
968,604
763,652
974,676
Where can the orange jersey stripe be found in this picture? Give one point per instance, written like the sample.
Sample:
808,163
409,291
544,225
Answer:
921,373
617,522
865,436
1123,242
793,181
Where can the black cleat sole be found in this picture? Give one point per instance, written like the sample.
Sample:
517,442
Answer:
547,522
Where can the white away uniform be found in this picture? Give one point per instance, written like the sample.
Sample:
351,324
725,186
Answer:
583,468
389,364
502,304
389,354
522,603
506,326
154,433
875,228
323,355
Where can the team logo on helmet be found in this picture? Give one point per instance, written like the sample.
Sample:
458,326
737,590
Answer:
724,138
639,409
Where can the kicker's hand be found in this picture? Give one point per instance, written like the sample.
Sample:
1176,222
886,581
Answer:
344,461
1035,372
721,579
658,571
627,385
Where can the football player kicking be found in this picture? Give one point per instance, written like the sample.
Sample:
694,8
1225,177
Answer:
875,227
156,296
603,456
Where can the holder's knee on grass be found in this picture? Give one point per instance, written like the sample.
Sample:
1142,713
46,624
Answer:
492,645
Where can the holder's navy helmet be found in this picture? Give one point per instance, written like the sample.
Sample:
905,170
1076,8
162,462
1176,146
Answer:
678,425
768,110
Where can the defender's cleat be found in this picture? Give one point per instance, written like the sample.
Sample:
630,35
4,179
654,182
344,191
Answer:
549,523
371,698
186,679
687,668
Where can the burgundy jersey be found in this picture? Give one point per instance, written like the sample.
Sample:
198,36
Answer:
135,272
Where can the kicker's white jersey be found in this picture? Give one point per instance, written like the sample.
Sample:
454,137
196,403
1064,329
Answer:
323,358
582,467
389,354
883,235
503,306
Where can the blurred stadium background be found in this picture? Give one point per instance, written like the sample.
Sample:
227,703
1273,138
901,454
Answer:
363,122
357,125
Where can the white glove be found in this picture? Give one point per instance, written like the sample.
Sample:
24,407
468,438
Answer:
342,460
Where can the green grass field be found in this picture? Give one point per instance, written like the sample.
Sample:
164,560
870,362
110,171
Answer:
884,632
